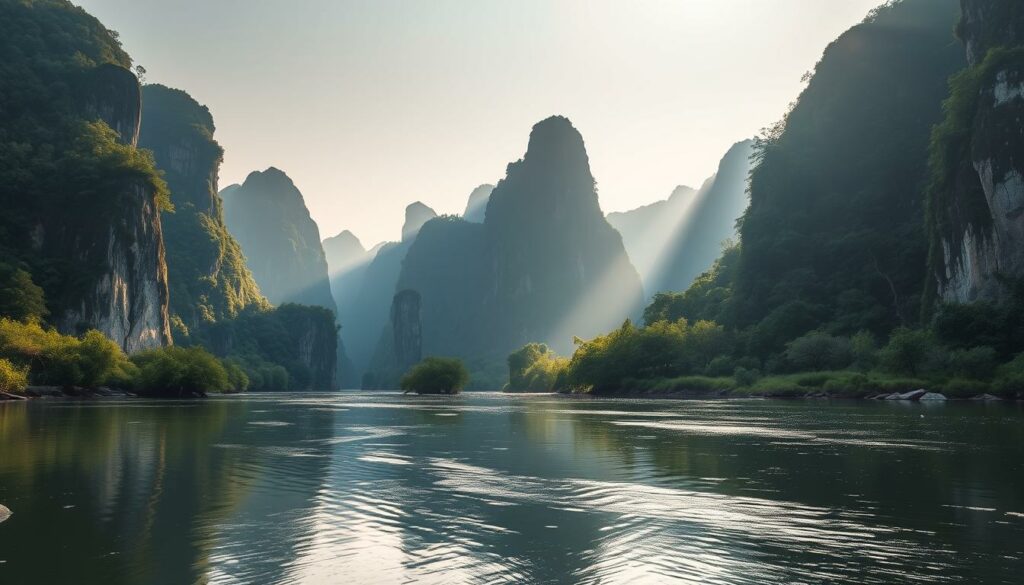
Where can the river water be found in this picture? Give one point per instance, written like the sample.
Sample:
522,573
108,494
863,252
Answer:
488,488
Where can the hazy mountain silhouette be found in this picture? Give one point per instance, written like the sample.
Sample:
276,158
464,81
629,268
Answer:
281,242
476,207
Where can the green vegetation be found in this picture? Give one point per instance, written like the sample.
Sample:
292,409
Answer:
32,353
535,368
20,298
291,347
180,372
12,378
207,274
61,167
833,239
435,375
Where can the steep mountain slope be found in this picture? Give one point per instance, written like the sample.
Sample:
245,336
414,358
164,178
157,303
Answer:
371,304
647,230
976,196
833,236
209,280
556,268
81,204
281,242
722,200
544,265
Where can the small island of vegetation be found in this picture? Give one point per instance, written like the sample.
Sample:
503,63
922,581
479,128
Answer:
436,375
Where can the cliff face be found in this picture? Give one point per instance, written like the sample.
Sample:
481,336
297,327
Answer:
977,194
129,299
209,280
80,202
406,330
281,242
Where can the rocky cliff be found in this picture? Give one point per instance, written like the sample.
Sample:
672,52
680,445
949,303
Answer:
544,265
209,280
281,242
977,190
556,268
373,288
406,329
81,203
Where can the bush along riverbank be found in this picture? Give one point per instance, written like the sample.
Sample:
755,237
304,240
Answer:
676,358
40,362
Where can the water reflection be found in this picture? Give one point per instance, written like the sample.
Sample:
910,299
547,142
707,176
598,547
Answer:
369,488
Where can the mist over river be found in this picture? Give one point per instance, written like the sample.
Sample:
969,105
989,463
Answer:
491,488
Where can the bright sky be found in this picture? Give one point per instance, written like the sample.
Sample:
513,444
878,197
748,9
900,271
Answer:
372,104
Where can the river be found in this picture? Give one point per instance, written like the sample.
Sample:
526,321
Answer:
489,488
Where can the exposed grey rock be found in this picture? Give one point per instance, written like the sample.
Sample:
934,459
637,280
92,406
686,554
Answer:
933,397
982,241
408,335
986,398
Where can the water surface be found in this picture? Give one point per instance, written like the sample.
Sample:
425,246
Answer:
486,488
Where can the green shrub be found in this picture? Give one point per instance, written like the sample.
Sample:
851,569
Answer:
12,378
720,366
180,372
960,388
908,351
818,351
976,363
436,375
20,298
534,368
62,360
746,377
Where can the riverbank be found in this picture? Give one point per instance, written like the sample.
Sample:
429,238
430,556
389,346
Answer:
33,392
840,385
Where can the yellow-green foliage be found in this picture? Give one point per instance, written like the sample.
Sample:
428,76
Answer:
12,378
535,368
662,349
62,360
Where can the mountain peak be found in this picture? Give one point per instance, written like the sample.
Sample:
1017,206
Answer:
416,214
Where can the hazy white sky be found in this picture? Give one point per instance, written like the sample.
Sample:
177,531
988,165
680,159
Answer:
372,104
